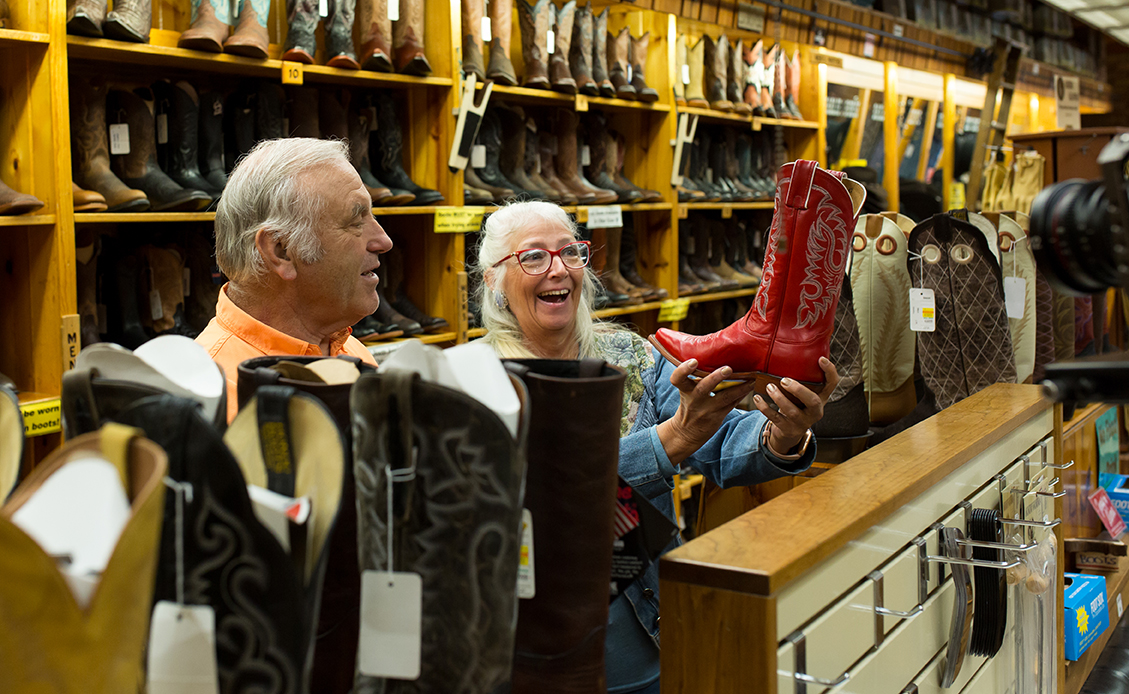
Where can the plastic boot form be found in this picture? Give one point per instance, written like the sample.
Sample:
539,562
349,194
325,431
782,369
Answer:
456,526
619,56
407,39
91,147
560,77
789,325
130,20
735,79
339,35
179,156
580,52
211,140
535,21
600,55
210,26
716,71
301,43
250,37
500,69
472,39
695,59
638,60
85,17
373,32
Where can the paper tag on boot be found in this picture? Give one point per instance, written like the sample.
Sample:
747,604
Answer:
629,73
478,156
486,35
119,138
552,39
323,8
685,74
526,583
155,309
391,625
394,10
1015,296
585,156
162,128
182,649
922,311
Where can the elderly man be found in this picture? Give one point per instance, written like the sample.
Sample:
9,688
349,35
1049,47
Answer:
296,237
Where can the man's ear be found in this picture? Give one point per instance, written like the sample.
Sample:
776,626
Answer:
275,255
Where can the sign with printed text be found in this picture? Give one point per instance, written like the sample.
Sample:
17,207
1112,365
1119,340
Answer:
829,60
1108,442
71,342
922,311
605,217
458,220
1103,506
750,17
42,416
292,72
1068,100
673,309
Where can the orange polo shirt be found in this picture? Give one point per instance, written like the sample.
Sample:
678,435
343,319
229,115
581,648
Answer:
233,337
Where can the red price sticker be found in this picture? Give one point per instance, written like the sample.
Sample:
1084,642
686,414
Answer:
1111,519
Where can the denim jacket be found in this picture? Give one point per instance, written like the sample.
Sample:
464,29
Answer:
732,457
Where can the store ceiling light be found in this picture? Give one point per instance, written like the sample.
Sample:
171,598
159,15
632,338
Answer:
1109,17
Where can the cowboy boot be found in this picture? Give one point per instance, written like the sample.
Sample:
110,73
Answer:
179,156
455,526
754,73
560,77
566,162
11,437
497,194
532,163
87,200
617,147
500,69
205,281
844,429
1017,260
211,140
597,170
612,278
301,43
699,253
754,253
13,203
392,280
407,39
91,149
549,171
100,645
270,102
603,195
163,276
724,262
600,56
619,57
688,282
696,61
85,17
211,23
970,347
490,137
768,81
778,84
535,21
638,59
1044,311
628,263
681,70
333,119
389,166
716,63
580,52
606,296
338,27
372,30
139,168
560,631
511,160
130,20
385,313
792,90
250,36
472,39
120,282
360,130
735,84
811,226
86,266
239,122
881,285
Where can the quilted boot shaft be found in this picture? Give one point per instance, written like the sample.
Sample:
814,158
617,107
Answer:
301,43
575,409
696,57
600,55
501,69
407,39
456,523
250,36
580,52
844,418
472,39
339,34
372,33
210,26
970,348
179,156
85,17
560,76
735,78
638,60
619,55
881,284
535,21
716,64
90,147
790,323
130,20
1017,260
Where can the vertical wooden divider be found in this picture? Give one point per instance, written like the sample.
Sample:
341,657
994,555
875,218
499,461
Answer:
948,133
890,135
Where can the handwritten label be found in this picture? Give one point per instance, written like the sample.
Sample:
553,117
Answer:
673,309
458,220
605,217
42,417
291,72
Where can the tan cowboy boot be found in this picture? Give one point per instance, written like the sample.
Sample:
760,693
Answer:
681,70
638,61
560,74
372,33
735,84
792,85
716,61
619,56
472,39
696,60
535,21
500,69
211,24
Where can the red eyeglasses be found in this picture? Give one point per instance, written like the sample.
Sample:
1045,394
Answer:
537,261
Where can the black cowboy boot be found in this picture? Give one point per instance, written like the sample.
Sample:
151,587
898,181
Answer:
338,27
212,166
239,123
360,135
490,137
392,283
179,156
269,103
511,158
388,159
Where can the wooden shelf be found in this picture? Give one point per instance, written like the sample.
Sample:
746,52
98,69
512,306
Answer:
627,310
1116,583
27,220
13,37
118,217
603,103
405,210
718,296
425,338
785,123
756,122
162,52
475,333
762,205
531,97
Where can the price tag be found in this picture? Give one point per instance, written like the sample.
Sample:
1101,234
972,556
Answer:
1120,608
922,309
605,217
585,155
1015,296
323,8
478,156
581,103
486,27
673,309
42,417
629,74
956,195
155,309
551,38
899,30
391,625
526,585
458,220
727,212
685,74
394,10
119,138
162,128
291,72
868,46
182,650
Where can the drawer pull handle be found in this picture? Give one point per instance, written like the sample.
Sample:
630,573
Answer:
885,611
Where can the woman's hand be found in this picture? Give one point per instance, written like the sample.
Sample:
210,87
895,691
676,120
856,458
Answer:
789,423
701,411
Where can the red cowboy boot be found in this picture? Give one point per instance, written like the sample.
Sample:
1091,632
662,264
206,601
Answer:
789,325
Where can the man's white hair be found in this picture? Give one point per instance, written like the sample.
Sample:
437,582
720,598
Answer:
268,189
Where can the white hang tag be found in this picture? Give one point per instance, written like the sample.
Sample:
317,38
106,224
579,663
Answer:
709,175
119,138
182,650
486,35
1015,296
552,39
391,625
922,311
685,74
186,281
155,309
394,10
585,155
629,73
478,156
526,583
162,128
323,8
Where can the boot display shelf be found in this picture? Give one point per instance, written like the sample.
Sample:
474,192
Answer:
757,122
542,97
16,37
27,220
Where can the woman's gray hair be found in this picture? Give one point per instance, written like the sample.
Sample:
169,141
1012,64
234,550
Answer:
502,330
269,189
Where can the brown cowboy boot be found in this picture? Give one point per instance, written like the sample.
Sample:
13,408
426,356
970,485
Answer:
130,20
638,60
600,55
360,132
250,37
211,24
617,148
716,63
87,200
85,17
549,172
778,83
559,74
792,75
580,52
619,54
612,278
500,69
472,39
373,33
535,21
407,39
91,149
735,87
567,159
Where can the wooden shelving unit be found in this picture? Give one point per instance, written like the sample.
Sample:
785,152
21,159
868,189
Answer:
16,37
1117,587
25,220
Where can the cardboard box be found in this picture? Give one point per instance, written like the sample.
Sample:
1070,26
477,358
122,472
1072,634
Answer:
1086,615
1117,486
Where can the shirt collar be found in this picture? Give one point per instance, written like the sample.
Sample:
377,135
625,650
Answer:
267,339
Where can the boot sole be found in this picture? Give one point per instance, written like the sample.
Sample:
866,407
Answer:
762,379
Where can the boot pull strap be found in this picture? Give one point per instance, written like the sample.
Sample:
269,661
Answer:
841,175
80,408
273,411
799,187
591,368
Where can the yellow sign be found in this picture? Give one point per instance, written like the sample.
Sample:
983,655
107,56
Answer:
458,220
727,212
581,215
581,103
673,309
42,417
832,60
291,72
956,195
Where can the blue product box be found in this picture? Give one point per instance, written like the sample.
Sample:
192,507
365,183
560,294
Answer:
1086,613
1117,486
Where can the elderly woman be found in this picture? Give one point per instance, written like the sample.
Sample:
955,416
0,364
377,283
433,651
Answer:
536,299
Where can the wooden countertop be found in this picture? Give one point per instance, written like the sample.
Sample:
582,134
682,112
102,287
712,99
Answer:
768,547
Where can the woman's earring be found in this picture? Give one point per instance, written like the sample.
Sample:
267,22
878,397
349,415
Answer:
500,299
